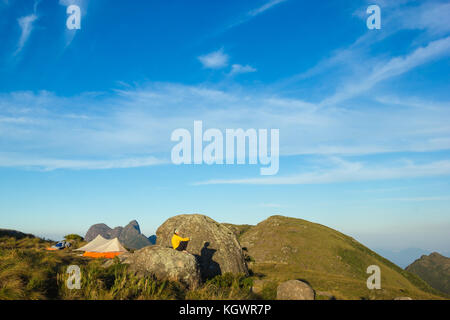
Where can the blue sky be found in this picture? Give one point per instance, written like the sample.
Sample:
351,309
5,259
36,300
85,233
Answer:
86,115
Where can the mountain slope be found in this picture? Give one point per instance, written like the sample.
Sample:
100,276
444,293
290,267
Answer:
282,248
434,269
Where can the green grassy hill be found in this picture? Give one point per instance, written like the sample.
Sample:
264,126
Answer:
334,264
434,269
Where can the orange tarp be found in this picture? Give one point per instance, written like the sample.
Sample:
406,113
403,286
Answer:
108,255
51,249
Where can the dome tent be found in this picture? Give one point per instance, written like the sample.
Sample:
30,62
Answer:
102,248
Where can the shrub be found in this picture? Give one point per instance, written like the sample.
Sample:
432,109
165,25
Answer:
74,237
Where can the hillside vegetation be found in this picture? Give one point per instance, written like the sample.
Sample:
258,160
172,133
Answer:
434,269
28,271
334,264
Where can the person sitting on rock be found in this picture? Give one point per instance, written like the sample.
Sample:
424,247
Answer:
179,243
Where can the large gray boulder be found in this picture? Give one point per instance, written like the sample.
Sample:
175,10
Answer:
294,290
164,264
130,236
215,246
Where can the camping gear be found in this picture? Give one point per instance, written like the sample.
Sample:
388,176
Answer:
59,245
102,248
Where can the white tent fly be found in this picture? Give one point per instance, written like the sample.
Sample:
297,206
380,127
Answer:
102,248
112,245
97,242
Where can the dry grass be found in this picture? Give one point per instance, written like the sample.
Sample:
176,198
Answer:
224,287
28,271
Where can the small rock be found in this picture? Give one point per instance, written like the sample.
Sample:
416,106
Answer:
294,290
403,298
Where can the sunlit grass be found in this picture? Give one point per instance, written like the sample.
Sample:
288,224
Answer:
28,271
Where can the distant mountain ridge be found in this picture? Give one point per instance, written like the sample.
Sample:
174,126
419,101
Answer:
434,269
130,236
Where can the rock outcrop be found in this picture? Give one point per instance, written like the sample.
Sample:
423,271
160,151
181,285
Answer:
130,236
103,230
215,246
164,264
294,290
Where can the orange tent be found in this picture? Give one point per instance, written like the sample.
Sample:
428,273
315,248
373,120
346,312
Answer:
108,255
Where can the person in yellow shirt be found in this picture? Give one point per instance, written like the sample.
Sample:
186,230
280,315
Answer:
179,243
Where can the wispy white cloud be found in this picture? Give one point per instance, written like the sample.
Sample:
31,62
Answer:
428,18
48,164
214,60
136,122
268,5
416,199
346,171
26,27
26,24
431,17
253,13
394,67
270,205
239,69
68,2
412,102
